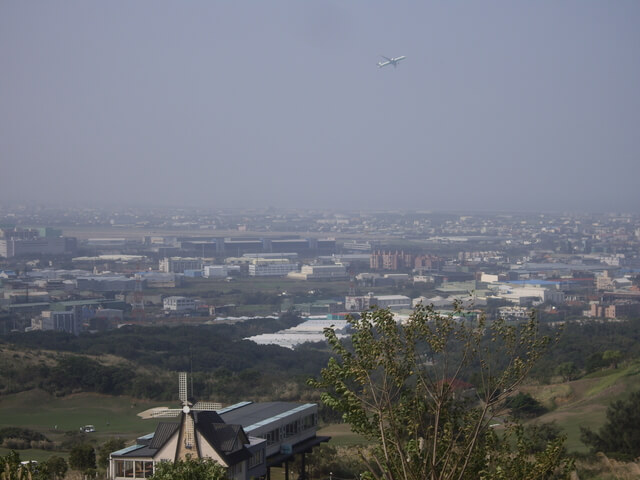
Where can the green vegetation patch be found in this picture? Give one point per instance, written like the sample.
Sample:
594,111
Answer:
342,435
51,416
553,395
614,376
587,402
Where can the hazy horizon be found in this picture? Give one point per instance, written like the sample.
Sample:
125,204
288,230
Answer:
499,106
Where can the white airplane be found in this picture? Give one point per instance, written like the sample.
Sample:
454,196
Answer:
390,61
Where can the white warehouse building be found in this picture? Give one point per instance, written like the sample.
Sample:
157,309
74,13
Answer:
179,264
262,267
215,271
179,304
529,295
321,272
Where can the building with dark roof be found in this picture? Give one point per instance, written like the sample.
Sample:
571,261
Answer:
247,438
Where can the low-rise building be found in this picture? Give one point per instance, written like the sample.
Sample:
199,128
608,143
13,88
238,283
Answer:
179,264
321,272
178,304
359,303
616,309
62,321
215,271
246,438
106,283
262,267
393,302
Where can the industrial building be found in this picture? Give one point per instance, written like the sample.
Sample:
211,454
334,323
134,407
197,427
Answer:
360,303
106,283
42,241
271,267
178,304
179,264
62,321
321,272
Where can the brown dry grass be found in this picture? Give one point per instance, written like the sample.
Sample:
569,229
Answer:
603,468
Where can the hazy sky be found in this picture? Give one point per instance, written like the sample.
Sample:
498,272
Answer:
512,105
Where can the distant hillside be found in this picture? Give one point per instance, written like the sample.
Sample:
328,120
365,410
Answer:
584,402
141,362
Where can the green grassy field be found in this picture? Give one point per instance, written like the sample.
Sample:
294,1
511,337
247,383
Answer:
574,404
111,416
51,416
583,403
34,454
341,435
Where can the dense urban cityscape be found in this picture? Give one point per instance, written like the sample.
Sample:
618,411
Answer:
83,269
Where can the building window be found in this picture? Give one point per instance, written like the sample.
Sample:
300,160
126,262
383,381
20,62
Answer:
273,436
291,429
119,468
309,421
236,469
256,459
133,468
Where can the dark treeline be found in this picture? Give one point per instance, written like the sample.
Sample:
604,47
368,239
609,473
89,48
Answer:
225,366
581,343
581,346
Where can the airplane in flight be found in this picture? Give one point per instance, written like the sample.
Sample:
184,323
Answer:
390,61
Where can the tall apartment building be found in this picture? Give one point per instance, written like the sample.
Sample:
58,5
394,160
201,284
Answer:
428,262
381,260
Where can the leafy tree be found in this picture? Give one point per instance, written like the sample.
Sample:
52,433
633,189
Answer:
523,405
612,357
595,362
620,435
82,457
12,469
399,386
190,469
54,468
73,438
539,435
106,448
57,467
9,465
326,460
22,434
568,371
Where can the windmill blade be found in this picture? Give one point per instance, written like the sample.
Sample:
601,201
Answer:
207,406
166,413
182,387
189,436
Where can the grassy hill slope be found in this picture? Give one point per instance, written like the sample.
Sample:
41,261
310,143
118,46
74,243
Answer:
584,402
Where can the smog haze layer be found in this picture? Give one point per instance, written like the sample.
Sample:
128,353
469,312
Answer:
497,106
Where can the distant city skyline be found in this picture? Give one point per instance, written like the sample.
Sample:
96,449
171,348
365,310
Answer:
498,106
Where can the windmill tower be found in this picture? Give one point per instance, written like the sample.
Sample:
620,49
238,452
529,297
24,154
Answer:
186,440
